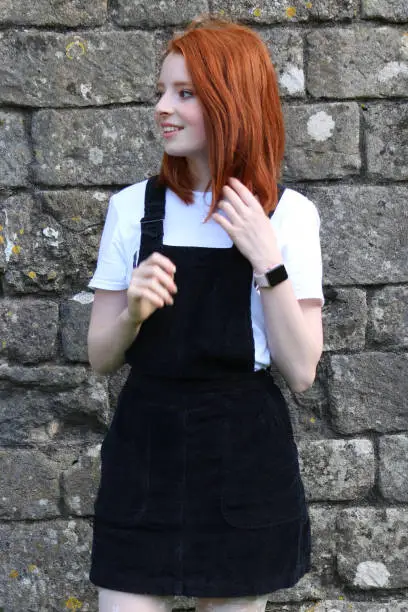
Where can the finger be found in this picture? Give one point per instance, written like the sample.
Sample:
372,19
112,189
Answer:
231,212
154,271
244,193
148,269
145,293
223,222
235,200
162,261
153,285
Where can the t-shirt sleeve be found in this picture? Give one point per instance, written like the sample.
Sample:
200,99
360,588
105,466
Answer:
111,269
301,250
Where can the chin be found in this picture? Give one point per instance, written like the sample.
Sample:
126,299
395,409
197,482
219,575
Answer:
175,153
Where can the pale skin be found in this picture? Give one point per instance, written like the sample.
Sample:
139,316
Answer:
293,327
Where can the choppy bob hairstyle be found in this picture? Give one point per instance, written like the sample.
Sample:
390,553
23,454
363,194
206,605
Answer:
235,81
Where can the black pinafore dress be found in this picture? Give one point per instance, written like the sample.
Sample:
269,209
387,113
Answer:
200,491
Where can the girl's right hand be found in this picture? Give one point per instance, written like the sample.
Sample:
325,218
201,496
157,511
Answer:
152,286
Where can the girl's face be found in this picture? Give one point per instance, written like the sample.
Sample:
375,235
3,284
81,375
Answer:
178,112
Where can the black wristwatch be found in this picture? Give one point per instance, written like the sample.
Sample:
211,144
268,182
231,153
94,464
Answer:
271,277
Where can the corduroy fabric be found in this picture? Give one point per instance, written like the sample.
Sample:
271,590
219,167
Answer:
200,491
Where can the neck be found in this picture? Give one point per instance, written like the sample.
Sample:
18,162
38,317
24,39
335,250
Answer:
200,172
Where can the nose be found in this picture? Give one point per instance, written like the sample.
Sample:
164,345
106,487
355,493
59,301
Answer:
164,105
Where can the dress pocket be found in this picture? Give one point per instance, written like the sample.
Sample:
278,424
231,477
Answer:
261,483
124,485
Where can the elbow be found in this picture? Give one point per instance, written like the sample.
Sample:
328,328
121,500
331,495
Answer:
95,365
101,367
98,365
304,377
303,381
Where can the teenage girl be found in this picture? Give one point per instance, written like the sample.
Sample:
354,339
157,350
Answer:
198,286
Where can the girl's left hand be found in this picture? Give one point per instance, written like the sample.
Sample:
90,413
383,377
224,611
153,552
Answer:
248,226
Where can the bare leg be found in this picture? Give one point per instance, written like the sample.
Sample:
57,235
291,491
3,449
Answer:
116,601
233,604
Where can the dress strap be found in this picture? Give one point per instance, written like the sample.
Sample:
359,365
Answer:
152,223
281,189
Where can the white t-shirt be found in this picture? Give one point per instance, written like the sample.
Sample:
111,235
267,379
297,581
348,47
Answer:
296,223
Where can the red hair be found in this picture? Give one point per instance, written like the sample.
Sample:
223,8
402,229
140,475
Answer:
235,81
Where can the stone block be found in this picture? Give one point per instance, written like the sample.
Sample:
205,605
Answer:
78,216
76,210
80,482
322,141
359,61
75,315
368,392
28,330
53,12
52,376
386,130
95,147
344,319
323,526
363,233
145,14
16,219
343,605
394,467
390,10
286,51
29,484
53,414
308,587
372,548
387,317
50,245
82,69
15,155
287,11
44,567
336,470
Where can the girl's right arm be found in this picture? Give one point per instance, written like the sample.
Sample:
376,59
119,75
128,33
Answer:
116,316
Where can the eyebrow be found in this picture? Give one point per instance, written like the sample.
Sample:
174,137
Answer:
177,84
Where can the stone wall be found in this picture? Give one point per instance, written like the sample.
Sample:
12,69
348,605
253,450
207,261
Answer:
76,78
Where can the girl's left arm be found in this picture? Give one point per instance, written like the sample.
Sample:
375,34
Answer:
293,327
294,332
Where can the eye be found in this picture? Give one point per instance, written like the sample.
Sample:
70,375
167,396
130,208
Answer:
189,94
158,95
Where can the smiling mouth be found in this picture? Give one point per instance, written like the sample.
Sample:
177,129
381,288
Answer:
171,130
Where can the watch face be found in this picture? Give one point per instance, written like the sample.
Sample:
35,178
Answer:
270,277
276,276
